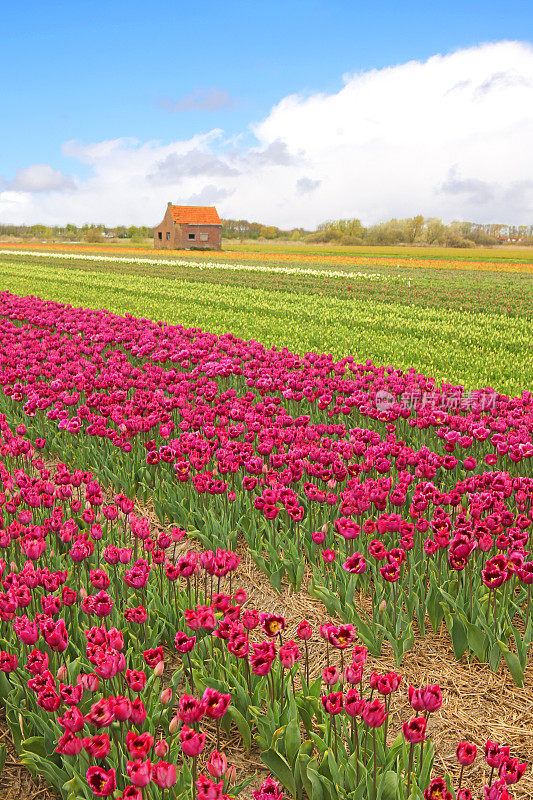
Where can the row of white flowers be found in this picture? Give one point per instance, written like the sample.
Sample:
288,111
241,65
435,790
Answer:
201,265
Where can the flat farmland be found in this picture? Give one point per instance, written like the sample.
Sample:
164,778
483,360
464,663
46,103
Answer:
270,511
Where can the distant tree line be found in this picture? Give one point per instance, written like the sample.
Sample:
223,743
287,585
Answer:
412,230
420,230
75,233
242,229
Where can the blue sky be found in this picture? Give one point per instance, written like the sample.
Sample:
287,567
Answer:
169,72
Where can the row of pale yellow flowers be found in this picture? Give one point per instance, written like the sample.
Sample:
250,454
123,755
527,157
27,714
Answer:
201,265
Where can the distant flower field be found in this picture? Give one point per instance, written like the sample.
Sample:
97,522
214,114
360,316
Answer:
411,261
469,327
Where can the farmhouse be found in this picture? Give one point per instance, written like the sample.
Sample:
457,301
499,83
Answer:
184,227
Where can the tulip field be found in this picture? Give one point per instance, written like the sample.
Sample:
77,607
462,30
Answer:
471,328
238,500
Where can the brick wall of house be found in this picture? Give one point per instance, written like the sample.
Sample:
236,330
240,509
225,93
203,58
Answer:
184,242
164,234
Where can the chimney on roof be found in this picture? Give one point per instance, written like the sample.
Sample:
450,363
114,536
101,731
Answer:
169,203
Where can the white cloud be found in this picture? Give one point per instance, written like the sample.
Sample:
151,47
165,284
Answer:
40,178
448,137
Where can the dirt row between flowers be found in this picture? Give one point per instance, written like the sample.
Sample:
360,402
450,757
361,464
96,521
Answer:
477,704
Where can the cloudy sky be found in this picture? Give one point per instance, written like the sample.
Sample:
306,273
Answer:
285,112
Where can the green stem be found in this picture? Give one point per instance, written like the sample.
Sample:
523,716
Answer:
355,748
194,775
460,777
375,766
409,768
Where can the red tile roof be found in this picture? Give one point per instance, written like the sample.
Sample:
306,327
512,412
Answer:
195,215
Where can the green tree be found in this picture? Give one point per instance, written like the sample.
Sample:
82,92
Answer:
269,232
41,232
413,228
71,231
391,232
94,236
434,231
137,236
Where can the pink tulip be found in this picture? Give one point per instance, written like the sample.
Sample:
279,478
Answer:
101,781
414,730
374,714
466,753
192,743
139,772
164,774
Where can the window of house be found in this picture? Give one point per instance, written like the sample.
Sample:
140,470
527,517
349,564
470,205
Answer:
204,237
160,234
192,236
168,237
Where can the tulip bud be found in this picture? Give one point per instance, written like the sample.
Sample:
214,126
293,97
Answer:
231,774
158,669
174,725
161,748
325,527
83,592
217,764
382,606
166,696
62,673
